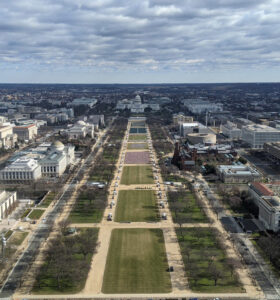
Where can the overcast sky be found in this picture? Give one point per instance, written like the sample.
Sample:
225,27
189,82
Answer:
139,41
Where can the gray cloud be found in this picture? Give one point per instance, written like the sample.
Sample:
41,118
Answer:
140,34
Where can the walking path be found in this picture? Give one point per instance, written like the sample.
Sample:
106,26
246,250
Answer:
178,278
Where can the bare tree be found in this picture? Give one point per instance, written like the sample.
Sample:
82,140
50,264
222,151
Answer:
186,250
233,264
63,225
215,272
217,209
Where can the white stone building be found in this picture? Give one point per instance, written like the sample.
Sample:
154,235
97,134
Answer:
135,105
22,169
57,160
194,127
237,173
80,130
199,106
8,201
256,135
47,160
26,133
257,190
269,212
231,131
8,139
90,102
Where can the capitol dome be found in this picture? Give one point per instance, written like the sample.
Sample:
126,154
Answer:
57,145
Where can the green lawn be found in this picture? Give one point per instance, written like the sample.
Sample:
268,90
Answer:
137,175
18,238
201,254
8,234
85,211
136,146
189,212
137,137
138,124
36,214
25,214
136,206
136,262
48,199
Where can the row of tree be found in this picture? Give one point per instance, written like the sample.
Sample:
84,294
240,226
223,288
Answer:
203,257
67,261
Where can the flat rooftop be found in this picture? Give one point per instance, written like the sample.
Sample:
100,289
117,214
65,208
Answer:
261,128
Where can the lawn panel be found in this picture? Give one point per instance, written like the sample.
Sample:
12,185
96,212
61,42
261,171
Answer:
137,175
136,262
136,206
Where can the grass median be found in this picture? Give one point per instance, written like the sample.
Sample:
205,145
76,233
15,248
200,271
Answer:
137,175
137,137
136,206
136,262
137,146
36,214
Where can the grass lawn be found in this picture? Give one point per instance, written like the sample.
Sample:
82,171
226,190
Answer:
136,262
85,212
136,206
25,214
137,124
137,175
205,251
190,211
48,199
18,238
136,146
8,234
174,178
36,214
137,137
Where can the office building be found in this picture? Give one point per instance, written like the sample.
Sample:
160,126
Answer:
237,173
257,135
181,118
273,149
194,127
231,131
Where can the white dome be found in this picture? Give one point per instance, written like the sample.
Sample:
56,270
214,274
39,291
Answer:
58,145
81,123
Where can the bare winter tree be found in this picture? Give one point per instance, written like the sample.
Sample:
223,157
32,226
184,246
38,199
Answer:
215,272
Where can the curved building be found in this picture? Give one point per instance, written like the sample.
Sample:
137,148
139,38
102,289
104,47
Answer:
202,138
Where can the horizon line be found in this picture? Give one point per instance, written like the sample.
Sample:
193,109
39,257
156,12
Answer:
142,83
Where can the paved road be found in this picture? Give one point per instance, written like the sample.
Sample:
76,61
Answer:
42,232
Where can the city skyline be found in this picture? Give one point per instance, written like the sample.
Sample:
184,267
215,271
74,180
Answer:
141,42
